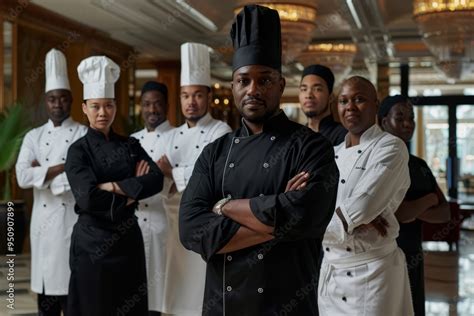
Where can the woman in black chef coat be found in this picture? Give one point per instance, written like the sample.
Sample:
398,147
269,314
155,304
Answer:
423,201
108,174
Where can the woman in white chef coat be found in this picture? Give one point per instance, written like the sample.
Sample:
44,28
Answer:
363,271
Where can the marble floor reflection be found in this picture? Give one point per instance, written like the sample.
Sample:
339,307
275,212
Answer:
449,277
449,281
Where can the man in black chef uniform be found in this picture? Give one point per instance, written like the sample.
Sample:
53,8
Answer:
316,86
260,198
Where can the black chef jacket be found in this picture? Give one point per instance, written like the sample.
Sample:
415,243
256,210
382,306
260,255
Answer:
422,183
107,259
410,236
332,130
279,275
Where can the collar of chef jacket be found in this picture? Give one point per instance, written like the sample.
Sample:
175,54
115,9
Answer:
162,128
271,125
366,139
66,123
98,138
205,120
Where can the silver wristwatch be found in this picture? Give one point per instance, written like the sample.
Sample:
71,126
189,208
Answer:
220,204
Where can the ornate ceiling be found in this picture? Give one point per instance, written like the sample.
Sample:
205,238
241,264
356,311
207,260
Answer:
383,31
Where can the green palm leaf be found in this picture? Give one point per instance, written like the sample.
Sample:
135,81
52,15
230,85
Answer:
13,127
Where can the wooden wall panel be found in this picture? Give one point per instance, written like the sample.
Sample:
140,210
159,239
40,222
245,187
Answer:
35,32
169,73
39,30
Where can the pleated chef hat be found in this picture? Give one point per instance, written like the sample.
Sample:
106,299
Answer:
256,36
195,65
56,71
98,74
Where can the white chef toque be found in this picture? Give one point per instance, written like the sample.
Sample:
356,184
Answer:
195,65
56,71
98,74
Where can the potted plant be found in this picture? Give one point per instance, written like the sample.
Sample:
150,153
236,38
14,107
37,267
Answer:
13,127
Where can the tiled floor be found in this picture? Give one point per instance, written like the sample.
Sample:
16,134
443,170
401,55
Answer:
449,277
449,281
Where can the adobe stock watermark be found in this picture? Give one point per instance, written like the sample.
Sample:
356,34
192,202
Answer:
10,256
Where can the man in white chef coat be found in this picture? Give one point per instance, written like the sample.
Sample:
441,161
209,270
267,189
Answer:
185,270
40,166
363,270
151,213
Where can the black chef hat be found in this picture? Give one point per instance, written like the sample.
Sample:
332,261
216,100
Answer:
155,86
321,71
388,103
256,36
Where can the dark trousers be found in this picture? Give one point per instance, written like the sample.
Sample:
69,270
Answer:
415,264
50,305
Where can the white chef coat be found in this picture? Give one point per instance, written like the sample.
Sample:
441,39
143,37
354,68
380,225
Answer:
185,274
185,144
364,273
152,221
53,213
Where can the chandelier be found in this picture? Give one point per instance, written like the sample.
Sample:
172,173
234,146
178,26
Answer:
298,21
337,56
447,27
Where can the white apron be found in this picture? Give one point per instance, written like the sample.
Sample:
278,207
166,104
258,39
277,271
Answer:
153,222
185,273
375,287
53,215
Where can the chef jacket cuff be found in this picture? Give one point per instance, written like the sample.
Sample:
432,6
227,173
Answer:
59,184
179,178
39,176
131,187
350,223
263,208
